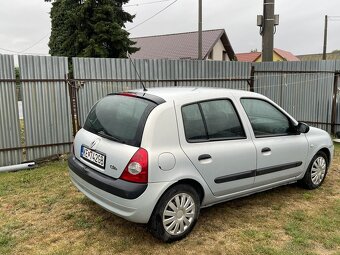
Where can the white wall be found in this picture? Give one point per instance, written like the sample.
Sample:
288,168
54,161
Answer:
218,52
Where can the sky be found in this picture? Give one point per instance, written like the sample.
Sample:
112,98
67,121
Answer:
25,25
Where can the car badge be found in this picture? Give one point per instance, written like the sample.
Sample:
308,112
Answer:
94,143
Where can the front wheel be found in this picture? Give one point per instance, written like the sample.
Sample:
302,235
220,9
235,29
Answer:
316,172
175,214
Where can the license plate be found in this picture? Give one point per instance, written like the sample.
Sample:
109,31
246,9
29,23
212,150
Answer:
92,156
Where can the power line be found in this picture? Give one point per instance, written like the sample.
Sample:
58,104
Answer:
30,47
34,44
152,16
147,3
8,50
26,53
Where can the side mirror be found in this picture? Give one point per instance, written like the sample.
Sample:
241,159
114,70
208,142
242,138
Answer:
302,128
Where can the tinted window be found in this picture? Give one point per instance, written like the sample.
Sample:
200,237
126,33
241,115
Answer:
218,122
120,118
265,118
193,123
222,120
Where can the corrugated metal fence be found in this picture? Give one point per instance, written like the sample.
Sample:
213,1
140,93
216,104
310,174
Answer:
46,128
307,90
304,89
337,95
99,77
9,116
46,106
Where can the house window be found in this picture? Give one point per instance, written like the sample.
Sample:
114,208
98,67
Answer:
224,56
211,54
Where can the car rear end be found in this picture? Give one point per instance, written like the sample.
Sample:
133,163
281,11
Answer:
108,164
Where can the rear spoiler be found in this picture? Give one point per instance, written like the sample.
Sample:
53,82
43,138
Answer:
152,98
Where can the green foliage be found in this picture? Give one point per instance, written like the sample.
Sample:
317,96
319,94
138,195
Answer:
90,28
18,83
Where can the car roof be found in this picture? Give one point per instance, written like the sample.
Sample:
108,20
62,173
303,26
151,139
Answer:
173,93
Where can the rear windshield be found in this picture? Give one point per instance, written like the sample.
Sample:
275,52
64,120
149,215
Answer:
119,118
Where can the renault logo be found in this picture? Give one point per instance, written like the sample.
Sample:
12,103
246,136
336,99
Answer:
94,143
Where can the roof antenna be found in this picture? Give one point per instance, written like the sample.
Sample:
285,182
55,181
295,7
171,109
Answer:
134,66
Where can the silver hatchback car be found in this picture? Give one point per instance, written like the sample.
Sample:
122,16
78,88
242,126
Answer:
159,156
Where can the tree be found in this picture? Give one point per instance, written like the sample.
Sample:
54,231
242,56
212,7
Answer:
90,28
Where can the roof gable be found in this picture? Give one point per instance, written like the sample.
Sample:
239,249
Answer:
288,56
253,56
180,46
248,57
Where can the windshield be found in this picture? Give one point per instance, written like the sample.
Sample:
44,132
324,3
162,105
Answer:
119,118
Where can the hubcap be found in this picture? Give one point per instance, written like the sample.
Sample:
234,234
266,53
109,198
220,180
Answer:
318,170
179,213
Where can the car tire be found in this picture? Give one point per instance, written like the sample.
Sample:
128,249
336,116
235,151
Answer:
175,214
316,172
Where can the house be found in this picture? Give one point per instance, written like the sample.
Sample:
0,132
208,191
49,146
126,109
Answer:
216,46
318,57
248,57
279,55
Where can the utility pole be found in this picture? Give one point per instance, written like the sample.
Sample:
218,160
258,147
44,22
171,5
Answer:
200,30
268,30
324,55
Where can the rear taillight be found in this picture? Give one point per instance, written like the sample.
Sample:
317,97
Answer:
137,168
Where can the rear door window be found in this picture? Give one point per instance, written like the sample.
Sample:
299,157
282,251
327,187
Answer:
119,118
193,123
211,121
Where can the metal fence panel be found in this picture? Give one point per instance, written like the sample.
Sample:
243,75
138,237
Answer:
156,73
46,105
9,115
307,96
337,68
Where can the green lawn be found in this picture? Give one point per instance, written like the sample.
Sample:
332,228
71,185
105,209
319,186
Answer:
41,212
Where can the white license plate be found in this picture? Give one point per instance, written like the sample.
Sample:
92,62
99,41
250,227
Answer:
92,156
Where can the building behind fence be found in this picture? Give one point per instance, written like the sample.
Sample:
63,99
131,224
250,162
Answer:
54,106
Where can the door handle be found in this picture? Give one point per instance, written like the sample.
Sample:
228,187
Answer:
266,149
204,156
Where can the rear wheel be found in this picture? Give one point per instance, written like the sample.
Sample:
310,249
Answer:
316,172
175,214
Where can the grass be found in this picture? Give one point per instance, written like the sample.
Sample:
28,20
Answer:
41,212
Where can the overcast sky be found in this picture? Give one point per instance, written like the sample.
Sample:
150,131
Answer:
25,25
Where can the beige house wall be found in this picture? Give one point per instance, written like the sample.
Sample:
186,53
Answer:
218,52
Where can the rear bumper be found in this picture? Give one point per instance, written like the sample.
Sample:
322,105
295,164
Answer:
136,210
113,186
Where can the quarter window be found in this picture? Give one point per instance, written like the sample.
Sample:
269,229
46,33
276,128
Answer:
266,119
211,121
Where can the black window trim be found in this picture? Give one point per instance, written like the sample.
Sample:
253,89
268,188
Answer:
269,136
205,124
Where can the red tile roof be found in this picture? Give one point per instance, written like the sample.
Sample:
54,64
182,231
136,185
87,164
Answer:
248,57
253,56
180,46
288,56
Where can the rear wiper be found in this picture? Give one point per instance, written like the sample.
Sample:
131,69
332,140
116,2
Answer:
110,137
